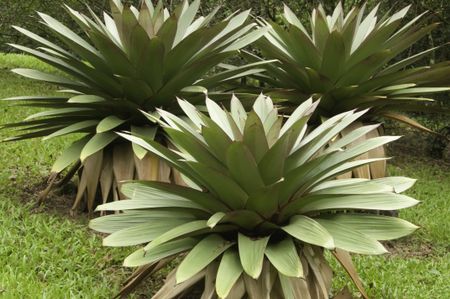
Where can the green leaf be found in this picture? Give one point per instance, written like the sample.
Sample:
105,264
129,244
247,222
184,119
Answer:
96,143
382,201
358,188
292,18
74,128
141,257
351,137
251,254
185,20
246,39
310,231
304,109
141,233
400,184
155,148
407,120
216,138
272,165
206,251
148,203
70,155
67,112
55,79
196,148
255,136
219,116
43,41
230,269
177,232
320,28
376,226
350,240
145,133
420,90
214,219
109,123
284,257
165,191
332,63
86,99
243,167
191,111
112,223
221,185
246,219
238,113
264,201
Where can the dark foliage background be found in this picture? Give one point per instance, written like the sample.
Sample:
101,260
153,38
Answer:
23,13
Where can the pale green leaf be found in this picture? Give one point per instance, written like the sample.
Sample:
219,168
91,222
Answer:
284,257
310,231
206,251
251,254
350,240
230,269
141,257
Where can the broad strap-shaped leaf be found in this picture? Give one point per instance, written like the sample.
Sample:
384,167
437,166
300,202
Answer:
116,222
243,167
400,184
109,123
350,240
310,231
221,185
141,233
141,257
201,256
230,269
363,187
254,136
381,201
162,191
376,226
96,143
251,254
149,203
215,219
284,257
70,154
74,128
177,232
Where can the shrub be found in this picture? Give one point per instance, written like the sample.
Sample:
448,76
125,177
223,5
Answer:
261,204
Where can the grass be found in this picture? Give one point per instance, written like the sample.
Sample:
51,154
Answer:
46,254
419,265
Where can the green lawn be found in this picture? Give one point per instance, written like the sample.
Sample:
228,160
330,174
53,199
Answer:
46,254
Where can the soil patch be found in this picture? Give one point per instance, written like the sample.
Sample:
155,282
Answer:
410,249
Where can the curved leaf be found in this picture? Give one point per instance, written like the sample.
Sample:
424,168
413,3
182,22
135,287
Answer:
141,257
96,143
230,269
310,231
206,251
251,254
284,257
350,240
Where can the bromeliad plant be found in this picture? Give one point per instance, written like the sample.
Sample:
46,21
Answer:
131,60
352,61
261,205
